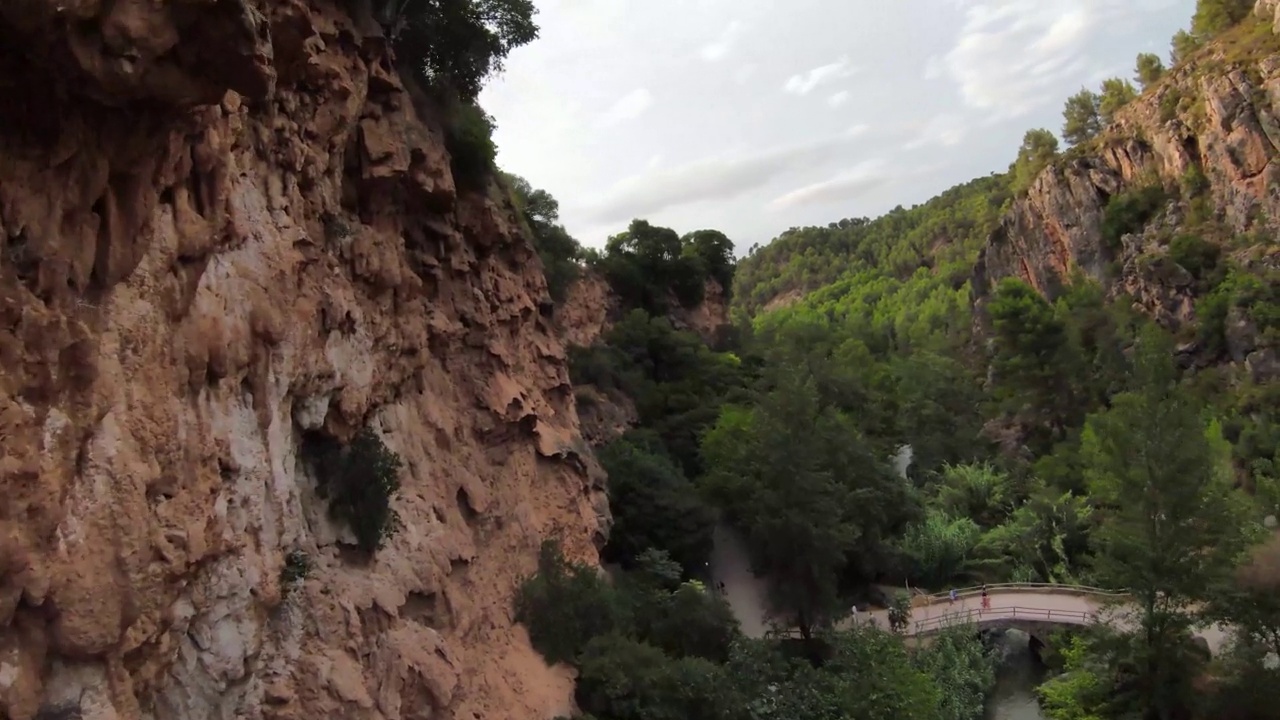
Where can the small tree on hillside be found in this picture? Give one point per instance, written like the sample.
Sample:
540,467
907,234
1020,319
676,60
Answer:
1149,70
1116,93
1081,119
1183,45
1215,16
1039,148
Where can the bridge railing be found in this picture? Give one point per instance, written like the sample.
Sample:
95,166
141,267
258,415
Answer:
1027,587
978,616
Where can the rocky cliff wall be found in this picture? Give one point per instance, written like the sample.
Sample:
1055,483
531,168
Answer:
1219,115
224,225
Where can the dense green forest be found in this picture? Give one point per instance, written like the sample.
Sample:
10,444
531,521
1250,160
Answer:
1069,443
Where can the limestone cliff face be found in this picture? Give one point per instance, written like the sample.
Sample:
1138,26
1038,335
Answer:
1219,113
224,225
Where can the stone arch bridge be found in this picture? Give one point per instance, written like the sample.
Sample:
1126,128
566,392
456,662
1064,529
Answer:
1037,609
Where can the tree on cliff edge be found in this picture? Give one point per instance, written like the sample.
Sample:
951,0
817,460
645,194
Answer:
1148,70
1081,118
455,43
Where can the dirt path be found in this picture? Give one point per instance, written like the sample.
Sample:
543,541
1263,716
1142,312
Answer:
747,594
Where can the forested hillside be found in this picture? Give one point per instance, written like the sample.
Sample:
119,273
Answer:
942,236
1080,352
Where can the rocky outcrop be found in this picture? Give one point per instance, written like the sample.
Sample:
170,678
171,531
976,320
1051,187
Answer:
224,226
1216,117
590,308
709,318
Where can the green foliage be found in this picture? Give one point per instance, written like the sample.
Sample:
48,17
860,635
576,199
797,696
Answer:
1200,258
469,138
456,44
1213,17
1129,211
1194,183
1148,69
1171,101
1170,524
647,265
1254,298
359,481
939,548
1082,119
1116,93
1039,148
623,679
689,622
1029,343
297,566
867,674
963,670
565,605
715,253
1080,691
794,475
939,239
654,507
559,252
1183,46
676,382
979,492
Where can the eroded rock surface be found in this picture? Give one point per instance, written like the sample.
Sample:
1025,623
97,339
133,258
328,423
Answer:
1217,115
224,225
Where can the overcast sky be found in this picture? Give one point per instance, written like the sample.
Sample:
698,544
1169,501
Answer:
753,116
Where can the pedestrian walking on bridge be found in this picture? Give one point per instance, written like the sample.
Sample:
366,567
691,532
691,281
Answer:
986,599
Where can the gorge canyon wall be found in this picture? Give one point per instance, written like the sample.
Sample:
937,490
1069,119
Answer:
226,225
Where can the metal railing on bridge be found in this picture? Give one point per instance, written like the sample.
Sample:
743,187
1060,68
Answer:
1047,588
979,616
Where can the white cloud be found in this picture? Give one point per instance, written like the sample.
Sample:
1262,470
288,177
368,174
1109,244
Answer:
838,99
566,105
946,130
1011,56
628,107
856,131
805,82
863,177
718,178
721,47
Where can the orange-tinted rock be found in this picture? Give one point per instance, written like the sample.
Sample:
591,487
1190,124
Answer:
223,224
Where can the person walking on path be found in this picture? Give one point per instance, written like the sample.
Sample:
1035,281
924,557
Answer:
951,599
986,599
854,616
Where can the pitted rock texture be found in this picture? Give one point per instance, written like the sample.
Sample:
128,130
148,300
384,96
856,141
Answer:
226,224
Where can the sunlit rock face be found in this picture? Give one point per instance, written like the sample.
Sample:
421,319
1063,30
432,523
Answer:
224,226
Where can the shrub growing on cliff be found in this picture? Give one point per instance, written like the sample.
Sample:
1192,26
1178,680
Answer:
557,249
469,137
359,482
1130,211
565,605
